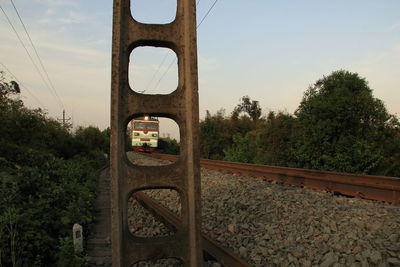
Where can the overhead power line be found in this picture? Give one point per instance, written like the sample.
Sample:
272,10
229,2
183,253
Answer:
174,60
30,56
162,76
155,73
208,12
37,54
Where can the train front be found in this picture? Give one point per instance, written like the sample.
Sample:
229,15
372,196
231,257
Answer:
145,133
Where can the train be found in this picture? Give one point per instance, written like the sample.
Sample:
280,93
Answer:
144,134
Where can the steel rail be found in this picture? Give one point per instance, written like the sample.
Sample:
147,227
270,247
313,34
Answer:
380,188
210,247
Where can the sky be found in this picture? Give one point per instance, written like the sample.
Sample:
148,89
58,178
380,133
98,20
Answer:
271,51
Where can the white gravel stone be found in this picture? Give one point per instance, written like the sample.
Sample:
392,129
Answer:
270,224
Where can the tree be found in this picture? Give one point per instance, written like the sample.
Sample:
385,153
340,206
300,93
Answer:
342,127
240,151
7,90
251,107
276,139
168,146
90,136
215,135
106,137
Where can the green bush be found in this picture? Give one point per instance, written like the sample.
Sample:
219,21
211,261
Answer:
66,256
168,146
47,183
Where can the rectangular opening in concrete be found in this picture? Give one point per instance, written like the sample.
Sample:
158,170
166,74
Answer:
151,134
154,11
153,70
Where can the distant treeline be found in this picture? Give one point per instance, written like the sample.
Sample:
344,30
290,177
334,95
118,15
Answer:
338,126
47,183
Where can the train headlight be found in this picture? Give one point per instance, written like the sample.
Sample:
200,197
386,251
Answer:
136,134
154,135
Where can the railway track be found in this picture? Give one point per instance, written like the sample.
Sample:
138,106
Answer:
211,248
270,224
99,245
363,186
273,224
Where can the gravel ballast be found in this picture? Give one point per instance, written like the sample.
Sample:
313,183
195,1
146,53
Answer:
269,224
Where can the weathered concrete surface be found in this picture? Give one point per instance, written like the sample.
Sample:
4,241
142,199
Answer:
181,106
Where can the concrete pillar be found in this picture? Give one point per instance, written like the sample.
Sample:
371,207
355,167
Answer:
182,106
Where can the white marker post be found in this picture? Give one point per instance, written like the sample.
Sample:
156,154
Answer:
77,232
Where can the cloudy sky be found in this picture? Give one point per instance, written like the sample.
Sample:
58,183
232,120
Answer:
269,50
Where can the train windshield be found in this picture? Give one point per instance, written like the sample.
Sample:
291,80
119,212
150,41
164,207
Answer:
152,126
139,125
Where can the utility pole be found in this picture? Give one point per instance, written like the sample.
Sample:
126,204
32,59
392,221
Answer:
64,120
